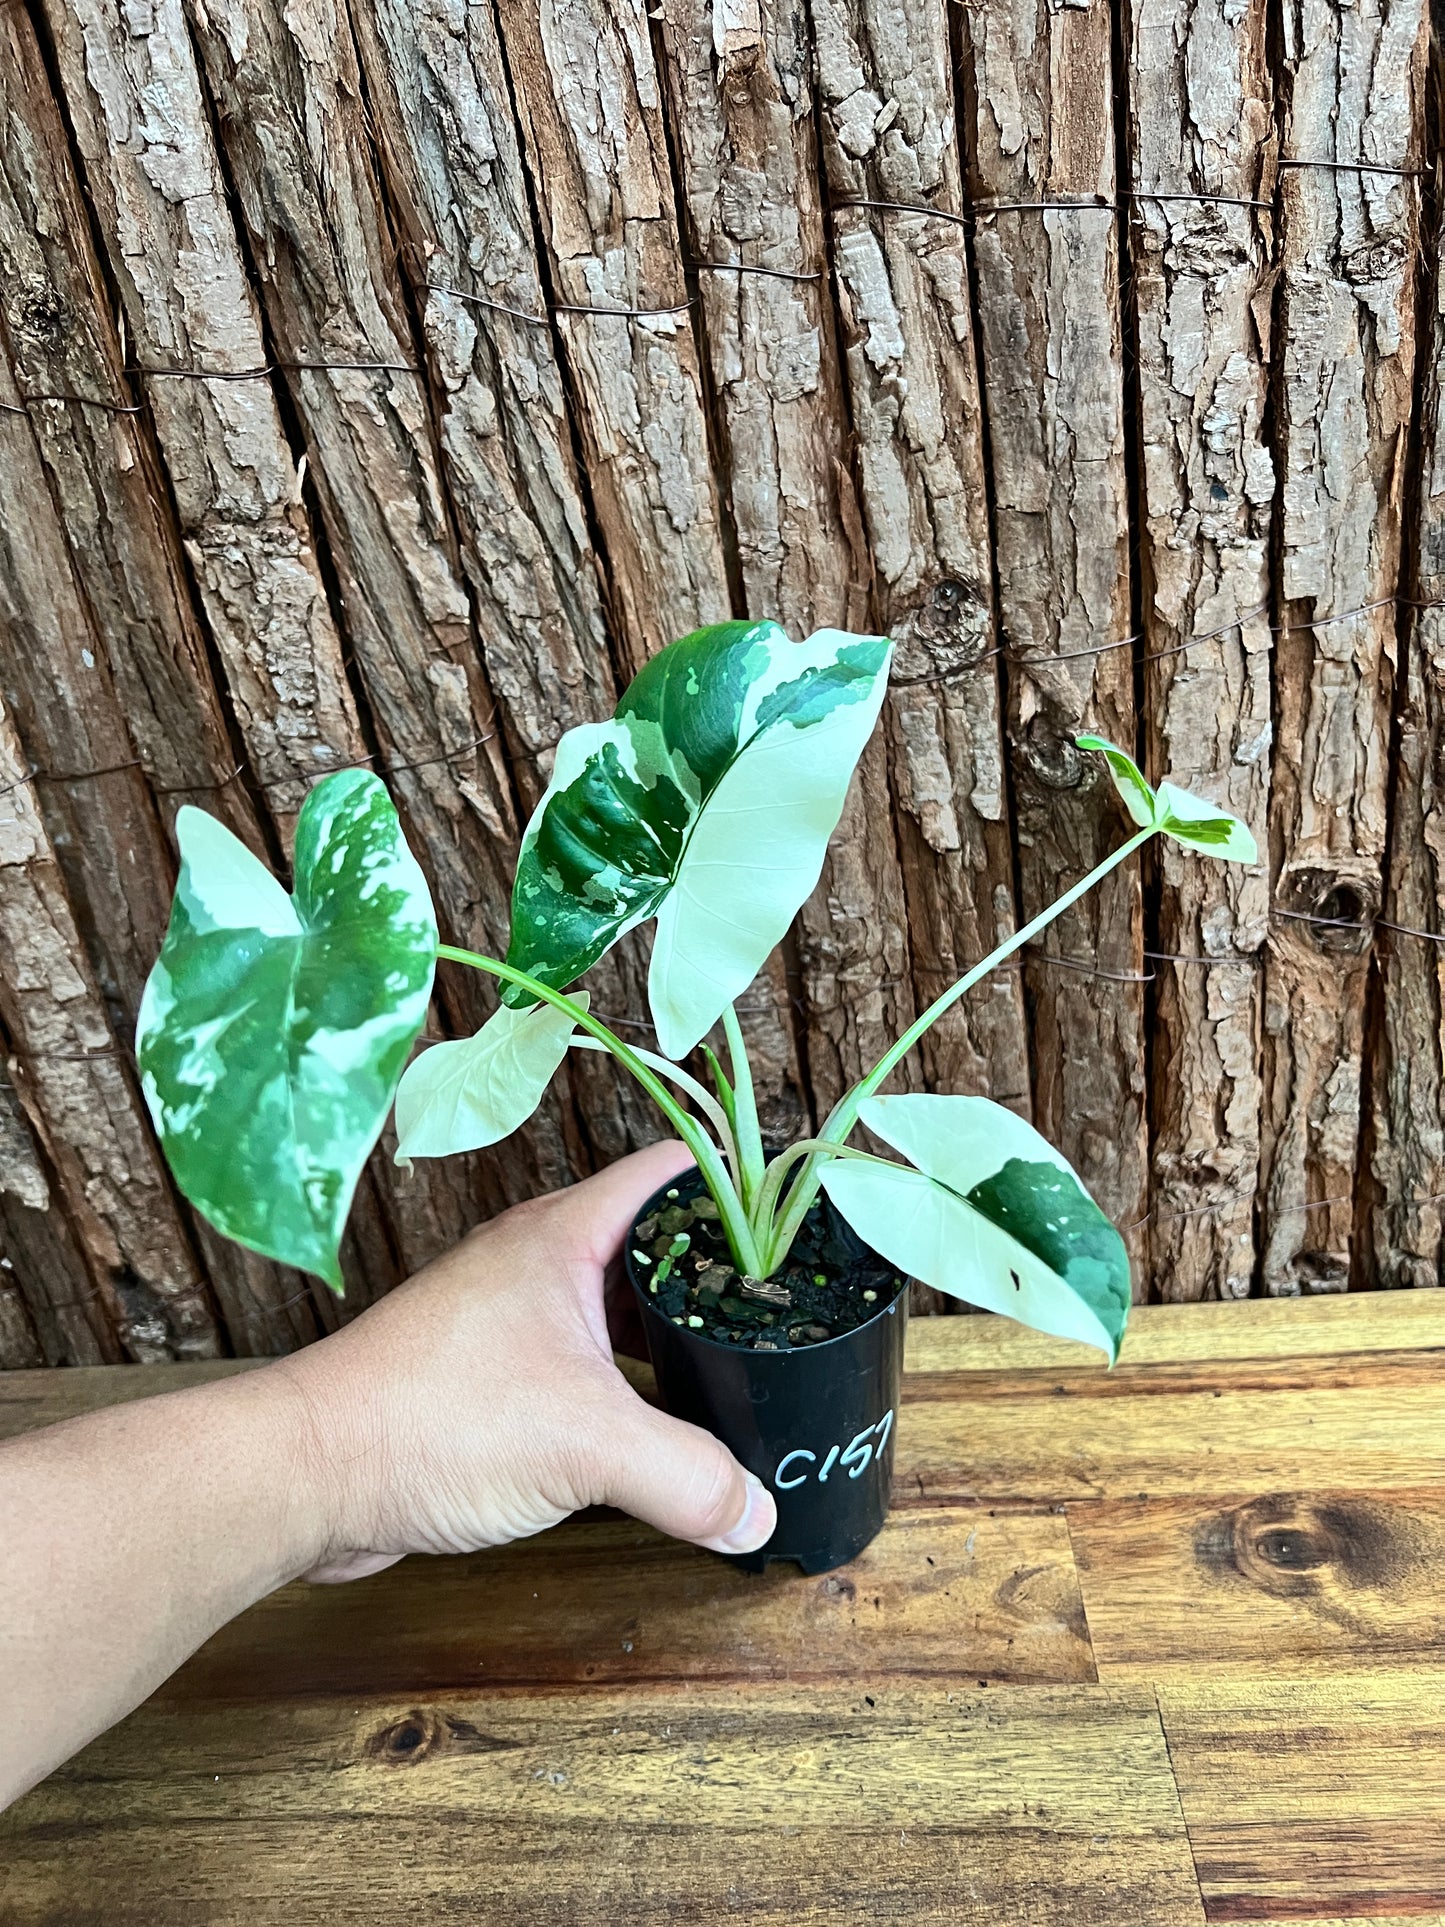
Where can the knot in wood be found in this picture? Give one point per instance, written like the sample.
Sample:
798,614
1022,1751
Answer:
1341,905
1296,1547
1053,758
944,635
41,313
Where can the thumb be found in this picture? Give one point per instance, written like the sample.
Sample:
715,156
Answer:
683,1481
602,1208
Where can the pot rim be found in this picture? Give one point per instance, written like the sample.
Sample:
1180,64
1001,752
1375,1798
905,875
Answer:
691,1332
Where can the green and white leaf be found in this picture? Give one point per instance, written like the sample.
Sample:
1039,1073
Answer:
990,1212
274,1027
1189,819
1129,781
707,802
462,1096
1203,825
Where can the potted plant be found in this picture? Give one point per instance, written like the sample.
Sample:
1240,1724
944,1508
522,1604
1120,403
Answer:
276,1028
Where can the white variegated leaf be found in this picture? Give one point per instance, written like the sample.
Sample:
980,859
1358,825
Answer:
465,1095
989,1212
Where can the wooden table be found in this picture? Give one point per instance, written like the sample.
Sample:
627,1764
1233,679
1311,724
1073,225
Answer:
1159,1646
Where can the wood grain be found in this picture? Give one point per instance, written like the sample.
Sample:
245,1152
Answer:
1267,1581
613,1604
1260,1330
1199,121
1255,1535
1310,1796
1039,126
1277,1425
925,1803
1345,331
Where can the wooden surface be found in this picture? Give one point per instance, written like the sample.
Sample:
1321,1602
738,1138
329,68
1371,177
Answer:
1160,1646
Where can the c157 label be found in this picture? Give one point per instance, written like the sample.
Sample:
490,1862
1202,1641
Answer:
796,1468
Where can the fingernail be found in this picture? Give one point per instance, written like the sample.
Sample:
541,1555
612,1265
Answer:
757,1524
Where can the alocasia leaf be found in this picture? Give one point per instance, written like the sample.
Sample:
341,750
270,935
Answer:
462,1096
707,802
274,1027
1189,819
990,1212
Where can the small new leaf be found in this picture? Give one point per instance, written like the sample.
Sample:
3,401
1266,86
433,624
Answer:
1202,825
273,1028
990,1212
463,1096
1128,780
1189,819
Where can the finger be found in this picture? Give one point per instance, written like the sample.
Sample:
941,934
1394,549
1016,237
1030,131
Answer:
601,1209
683,1481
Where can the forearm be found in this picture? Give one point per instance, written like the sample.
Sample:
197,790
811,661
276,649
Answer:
128,1538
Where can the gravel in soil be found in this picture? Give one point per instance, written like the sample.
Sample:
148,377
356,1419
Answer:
831,1283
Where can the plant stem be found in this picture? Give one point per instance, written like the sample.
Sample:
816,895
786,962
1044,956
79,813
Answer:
709,1159
745,1109
765,1208
711,1109
844,1114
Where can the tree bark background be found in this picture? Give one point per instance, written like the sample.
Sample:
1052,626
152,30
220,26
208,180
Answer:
382,383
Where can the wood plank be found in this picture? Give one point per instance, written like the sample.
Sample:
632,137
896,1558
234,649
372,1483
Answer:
1166,1334
1037,106
1199,115
1312,1796
1370,1423
1268,1581
1351,83
827,1806
607,1602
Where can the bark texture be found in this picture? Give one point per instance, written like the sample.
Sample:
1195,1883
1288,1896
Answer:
134,99
1007,329
1345,347
1200,123
1040,127
99,459
1407,1138
589,101
738,80
73,1081
886,110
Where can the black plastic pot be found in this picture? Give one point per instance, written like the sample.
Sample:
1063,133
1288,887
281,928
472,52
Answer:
816,1424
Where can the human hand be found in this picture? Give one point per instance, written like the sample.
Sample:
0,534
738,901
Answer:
479,1402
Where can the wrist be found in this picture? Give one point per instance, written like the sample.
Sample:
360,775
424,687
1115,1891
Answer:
288,1471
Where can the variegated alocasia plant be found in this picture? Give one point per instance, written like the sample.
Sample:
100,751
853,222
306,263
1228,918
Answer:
275,1027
